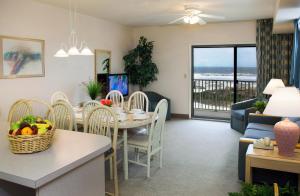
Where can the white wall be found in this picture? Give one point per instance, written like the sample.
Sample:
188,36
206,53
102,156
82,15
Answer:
30,19
172,54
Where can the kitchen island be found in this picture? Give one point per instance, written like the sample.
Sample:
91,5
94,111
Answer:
73,165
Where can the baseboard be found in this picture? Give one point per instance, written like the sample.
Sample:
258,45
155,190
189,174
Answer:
181,116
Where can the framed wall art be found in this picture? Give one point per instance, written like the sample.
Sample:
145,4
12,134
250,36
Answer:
21,57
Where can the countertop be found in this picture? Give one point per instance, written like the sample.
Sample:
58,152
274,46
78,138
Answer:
69,150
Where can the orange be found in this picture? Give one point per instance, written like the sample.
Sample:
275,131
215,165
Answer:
26,131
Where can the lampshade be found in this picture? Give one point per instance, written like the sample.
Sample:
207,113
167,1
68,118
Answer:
273,85
61,53
73,51
284,102
86,52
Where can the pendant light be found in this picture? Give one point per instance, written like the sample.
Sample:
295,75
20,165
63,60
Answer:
74,48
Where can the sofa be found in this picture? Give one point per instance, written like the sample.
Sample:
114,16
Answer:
239,114
260,126
154,98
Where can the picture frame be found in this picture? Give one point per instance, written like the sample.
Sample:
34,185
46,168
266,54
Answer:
102,61
21,57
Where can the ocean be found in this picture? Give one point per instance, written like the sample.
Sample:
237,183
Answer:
225,73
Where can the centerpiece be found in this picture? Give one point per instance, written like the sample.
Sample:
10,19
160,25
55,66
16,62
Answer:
106,102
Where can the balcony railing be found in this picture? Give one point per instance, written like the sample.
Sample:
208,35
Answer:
218,95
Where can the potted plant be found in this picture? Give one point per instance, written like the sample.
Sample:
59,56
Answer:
139,66
94,88
265,190
260,106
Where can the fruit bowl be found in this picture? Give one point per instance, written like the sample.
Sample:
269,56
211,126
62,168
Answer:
31,133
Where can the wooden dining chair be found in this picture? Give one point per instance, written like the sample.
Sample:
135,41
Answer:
64,115
116,97
18,110
88,106
138,100
59,96
153,142
102,120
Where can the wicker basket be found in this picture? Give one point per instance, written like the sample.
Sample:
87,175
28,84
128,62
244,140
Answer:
22,144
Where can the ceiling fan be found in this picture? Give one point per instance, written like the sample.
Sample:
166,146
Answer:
194,16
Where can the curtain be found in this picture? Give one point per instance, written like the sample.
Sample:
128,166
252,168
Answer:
295,64
273,52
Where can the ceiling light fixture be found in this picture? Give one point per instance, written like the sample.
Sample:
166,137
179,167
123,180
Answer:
74,48
191,19
194,19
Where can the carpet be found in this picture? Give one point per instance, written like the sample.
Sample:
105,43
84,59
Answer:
200,158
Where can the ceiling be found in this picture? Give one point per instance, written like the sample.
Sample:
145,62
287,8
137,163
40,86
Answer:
160,12
285,12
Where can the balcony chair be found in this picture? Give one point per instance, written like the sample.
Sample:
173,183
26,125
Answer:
239,114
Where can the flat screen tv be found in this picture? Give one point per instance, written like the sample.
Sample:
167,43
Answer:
119,82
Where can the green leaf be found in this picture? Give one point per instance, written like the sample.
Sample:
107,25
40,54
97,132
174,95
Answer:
94,88
138,64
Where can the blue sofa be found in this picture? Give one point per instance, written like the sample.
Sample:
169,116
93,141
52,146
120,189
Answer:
239,114
154,98
260,126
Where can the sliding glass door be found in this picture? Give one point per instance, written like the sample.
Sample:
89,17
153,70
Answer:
221,76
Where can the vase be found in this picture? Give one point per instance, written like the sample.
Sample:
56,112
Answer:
287,136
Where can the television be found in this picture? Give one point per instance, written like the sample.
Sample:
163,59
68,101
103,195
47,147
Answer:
119,82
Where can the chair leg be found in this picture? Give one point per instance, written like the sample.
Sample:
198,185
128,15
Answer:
160,158
148,165
111,168
116,183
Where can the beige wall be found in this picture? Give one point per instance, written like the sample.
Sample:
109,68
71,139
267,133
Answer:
172,54
34,20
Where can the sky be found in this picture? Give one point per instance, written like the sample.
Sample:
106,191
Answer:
223,57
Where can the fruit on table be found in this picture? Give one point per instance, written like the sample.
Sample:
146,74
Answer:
30,125
26,131
42,131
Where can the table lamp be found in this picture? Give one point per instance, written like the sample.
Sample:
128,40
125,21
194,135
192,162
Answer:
273,85
285,102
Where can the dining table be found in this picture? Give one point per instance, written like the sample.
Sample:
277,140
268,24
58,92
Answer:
124,125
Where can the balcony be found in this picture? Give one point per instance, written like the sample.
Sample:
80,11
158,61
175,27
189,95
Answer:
213,98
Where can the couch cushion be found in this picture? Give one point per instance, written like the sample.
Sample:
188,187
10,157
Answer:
260,127
257,134
293,119
238,114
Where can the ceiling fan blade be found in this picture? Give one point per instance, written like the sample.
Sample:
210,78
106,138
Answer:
176,20
211,16
201,21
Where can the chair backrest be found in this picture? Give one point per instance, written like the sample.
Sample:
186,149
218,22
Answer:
59,96
116,97
18,110
102,121
88,106
138,100
158,124
64,115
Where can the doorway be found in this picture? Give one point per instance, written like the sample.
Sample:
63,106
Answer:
222,75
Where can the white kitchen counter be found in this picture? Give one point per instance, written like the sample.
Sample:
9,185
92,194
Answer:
69,151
